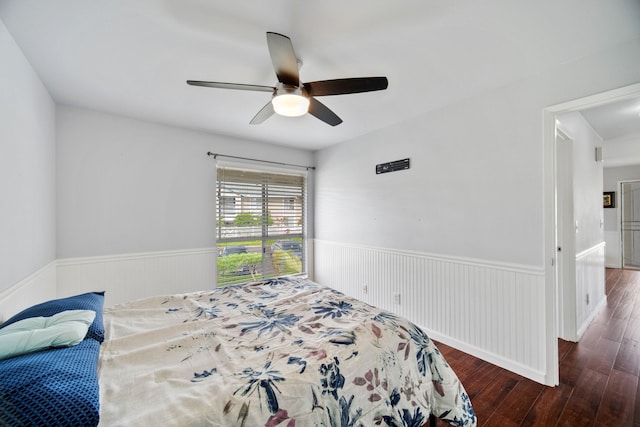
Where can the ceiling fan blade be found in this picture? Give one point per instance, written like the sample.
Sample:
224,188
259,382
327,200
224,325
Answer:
343,86
283,58
239,86
322,112
266,112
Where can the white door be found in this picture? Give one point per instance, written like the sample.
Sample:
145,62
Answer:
630,209
565,237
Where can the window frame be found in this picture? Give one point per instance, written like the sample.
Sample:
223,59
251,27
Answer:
269,233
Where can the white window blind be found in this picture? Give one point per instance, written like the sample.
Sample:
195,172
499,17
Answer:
260,224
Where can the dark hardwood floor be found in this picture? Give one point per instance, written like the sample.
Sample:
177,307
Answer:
598,376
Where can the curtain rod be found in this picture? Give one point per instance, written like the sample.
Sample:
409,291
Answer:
216,155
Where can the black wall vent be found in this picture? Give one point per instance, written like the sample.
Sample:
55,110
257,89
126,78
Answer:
396,165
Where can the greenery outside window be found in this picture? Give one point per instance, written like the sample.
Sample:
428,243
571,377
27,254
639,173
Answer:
260,219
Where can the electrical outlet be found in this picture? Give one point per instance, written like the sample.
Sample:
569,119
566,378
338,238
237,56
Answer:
396,298
365,289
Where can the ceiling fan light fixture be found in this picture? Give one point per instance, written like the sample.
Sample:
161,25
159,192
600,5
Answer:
290,97
290,102
290,105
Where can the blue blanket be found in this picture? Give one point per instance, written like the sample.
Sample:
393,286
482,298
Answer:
53,388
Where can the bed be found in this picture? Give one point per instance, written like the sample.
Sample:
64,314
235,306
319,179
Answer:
278,353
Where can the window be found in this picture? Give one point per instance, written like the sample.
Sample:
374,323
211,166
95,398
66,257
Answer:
260,218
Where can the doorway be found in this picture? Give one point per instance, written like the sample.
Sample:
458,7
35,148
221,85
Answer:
630,223
550,184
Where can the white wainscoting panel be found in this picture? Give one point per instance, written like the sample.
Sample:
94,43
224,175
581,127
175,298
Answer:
33,289
493,311
134,276
613,256
590,285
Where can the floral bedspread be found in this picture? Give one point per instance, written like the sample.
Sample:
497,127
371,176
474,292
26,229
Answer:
284,352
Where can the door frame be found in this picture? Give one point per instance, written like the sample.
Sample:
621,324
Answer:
549,114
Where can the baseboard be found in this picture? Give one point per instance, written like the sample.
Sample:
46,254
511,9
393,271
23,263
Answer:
492,358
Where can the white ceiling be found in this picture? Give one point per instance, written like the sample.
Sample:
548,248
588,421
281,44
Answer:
132,57
615,120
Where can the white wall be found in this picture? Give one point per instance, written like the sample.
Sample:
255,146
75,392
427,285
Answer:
136,204
474,190
612,176
27,169
128,186
462,196
587,181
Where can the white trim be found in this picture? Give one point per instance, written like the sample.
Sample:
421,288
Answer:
563,134
516,268
487,356
590,250
614,95
37,287
549,180
133,256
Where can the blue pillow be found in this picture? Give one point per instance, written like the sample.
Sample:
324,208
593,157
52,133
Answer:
89,301
54,388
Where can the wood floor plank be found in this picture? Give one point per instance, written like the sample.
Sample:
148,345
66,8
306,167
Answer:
592,334
633,330
564,347
612,277
490,398
636,415
635,313
498,420
615,329
574,363
613,300
477,381
607,353
625,306
582,406
628,358
466,363
548,407
519,402
616,408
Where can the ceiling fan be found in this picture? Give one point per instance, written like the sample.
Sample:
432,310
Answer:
291,97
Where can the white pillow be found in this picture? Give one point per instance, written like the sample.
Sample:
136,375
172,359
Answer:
63,329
